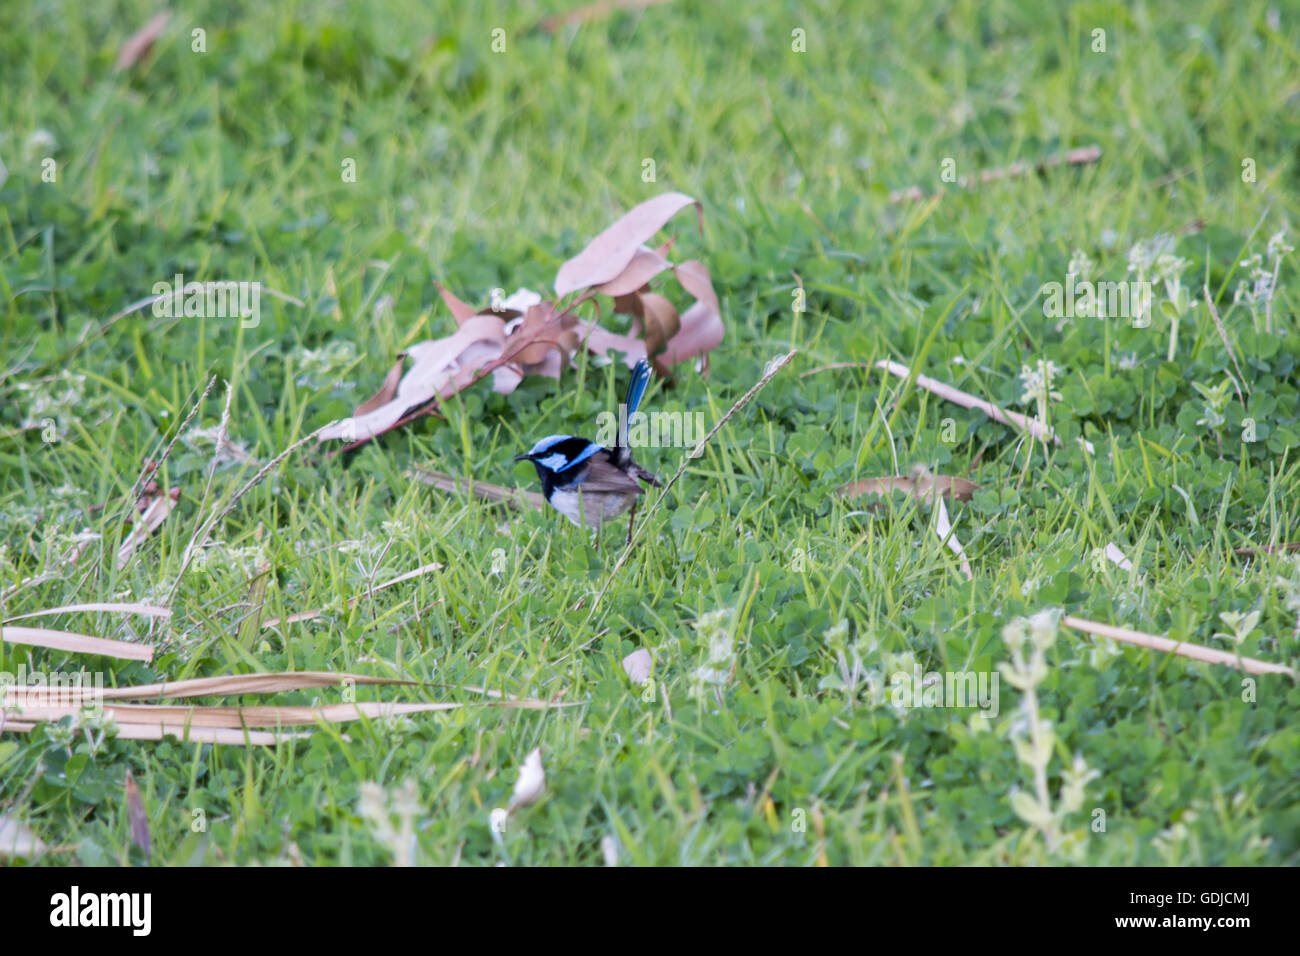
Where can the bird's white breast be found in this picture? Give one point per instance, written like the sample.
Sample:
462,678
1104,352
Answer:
595,507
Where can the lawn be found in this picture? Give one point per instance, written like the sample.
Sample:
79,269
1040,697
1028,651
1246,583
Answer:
804,643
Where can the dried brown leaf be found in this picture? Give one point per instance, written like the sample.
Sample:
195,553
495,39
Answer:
269,715
137,47
387,392
435,365
659,322
701,324
553,365
229,685
149,522
150,610
695,279
600,340
629,304
606,256
462,312
194,735
536,336
75,643
645,265
967,400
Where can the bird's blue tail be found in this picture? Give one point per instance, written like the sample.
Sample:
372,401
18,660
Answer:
636,387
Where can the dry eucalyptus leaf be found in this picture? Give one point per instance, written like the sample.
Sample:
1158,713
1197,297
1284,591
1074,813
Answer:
541,332
645,265
540,339
192,735
551,366
628,304
436,365
659,321
606,256
600,341
701,328
387,392
460,311
137,47
154,515
505,378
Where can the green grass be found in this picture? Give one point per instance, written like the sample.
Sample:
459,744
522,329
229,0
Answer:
481,170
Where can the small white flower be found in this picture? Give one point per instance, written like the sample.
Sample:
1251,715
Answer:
1037,381
1278,246
1042,629
1014,634
710,675
721,648
497,820
1143,255
1080,265
1168,268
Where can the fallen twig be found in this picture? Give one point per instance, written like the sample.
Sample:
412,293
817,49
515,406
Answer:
1031,425
1195,651
1075,157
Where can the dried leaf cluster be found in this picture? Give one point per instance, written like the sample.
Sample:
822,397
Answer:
525,334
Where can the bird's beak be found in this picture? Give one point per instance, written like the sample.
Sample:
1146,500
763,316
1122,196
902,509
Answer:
524,457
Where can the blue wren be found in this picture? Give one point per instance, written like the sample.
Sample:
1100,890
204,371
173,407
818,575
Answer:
588,482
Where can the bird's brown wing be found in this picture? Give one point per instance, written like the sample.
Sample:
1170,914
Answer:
602,475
